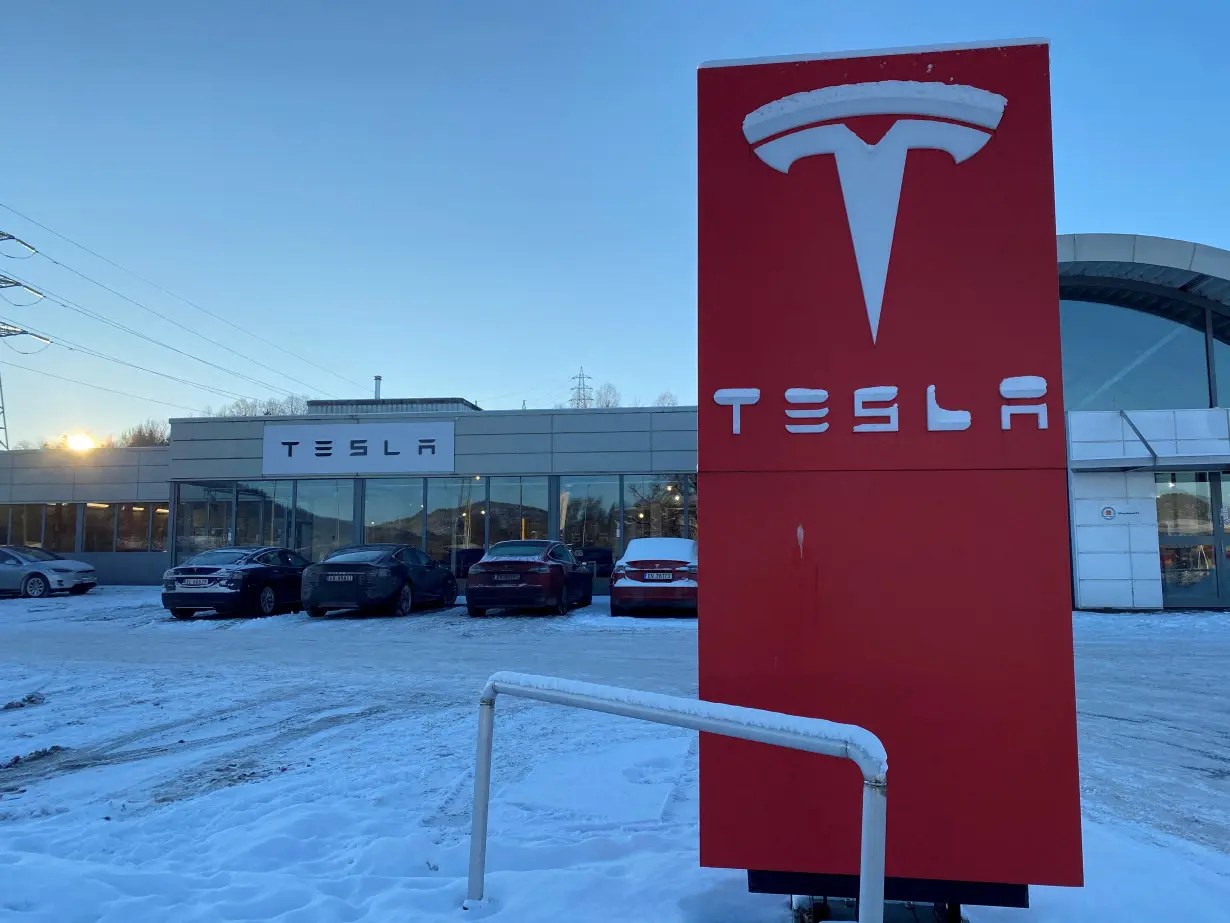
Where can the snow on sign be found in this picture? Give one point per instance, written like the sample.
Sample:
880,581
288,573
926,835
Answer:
397,447
879,366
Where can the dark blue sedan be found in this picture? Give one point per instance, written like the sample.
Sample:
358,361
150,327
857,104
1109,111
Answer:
257,580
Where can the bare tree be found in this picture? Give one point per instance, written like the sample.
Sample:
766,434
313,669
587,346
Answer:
151,432
666,399
292,405
26,444
606,396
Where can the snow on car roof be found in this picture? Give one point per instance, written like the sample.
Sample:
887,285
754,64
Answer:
660,549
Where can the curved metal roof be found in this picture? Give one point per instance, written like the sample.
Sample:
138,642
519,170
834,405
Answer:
1154,274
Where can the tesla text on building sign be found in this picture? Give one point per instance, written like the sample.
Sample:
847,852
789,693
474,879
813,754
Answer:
402,447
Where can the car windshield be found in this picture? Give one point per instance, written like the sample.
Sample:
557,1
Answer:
220,556
38,554
357,556
517,549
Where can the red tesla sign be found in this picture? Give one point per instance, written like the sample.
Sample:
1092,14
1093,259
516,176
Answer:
882,422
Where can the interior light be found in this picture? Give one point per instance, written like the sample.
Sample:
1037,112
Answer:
640,515
98,506
164,512
138,509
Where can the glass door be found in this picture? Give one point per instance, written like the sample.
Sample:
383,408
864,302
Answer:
1191,539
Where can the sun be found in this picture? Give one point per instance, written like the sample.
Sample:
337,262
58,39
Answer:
80,442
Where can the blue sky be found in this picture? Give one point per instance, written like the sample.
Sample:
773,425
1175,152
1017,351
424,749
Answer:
477,198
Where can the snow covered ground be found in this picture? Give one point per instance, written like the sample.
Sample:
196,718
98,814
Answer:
294,769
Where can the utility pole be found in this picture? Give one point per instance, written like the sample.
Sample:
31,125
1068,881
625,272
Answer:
8,330
582,393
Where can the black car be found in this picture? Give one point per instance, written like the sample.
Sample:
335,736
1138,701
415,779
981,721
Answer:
258,580
388,578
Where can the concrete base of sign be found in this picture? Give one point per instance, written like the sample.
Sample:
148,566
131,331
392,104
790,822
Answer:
821,910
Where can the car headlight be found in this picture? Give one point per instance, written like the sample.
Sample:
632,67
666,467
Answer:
168,575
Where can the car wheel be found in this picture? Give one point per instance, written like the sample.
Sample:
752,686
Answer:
475,612
564,604
405,600
267,601
78,590
450,593
317,613
183,613
35,587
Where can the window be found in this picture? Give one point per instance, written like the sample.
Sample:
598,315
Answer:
1117,358
1184,503
203,519
653,507
6,558
324,517
4,524
589,518
60,532
456,521
518,549
26,527
517,509
692,520
393,511
262,512
158,531
132,531
268,558
219,557
294,559
560,553
99,532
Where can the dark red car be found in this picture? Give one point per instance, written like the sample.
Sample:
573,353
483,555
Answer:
526,574
655,573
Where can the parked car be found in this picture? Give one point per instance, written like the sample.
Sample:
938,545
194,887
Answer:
528,574
36,573
257,580
368,578
655,573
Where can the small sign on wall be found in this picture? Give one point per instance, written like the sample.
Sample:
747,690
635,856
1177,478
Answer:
391,447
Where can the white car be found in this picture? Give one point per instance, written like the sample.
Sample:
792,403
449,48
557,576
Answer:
655,573
36,573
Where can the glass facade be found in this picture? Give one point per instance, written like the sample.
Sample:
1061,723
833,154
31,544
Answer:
133,526
60,527
98,532
653,507
324,517
456,521
159,528
262,512
589,511
204,518
26,524
517,508
393,510
1117,358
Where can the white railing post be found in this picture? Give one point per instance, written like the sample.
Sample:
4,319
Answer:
482,800
871,861
811,735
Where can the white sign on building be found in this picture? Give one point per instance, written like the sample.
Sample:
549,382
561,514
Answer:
389,447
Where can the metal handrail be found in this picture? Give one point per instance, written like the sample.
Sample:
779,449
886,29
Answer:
812,735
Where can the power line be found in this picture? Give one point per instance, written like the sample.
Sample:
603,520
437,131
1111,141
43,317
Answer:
73,306
94,353
86,384
167,291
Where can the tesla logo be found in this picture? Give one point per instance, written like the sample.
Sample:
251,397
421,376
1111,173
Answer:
876,407
936,116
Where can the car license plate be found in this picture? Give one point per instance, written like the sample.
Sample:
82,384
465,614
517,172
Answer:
659,575
195,581
340,578
507,576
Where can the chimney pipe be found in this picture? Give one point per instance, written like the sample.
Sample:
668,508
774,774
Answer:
377,387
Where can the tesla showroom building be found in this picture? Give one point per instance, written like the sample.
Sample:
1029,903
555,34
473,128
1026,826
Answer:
1146,363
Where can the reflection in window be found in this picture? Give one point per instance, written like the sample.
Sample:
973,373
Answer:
1184,503
262,512
653,507
99,527
456,521
1221,357
60,531
1117,358
691,479
26,525
1189,573
324,517
203,518
132,526
393,511
517,509
158,529
4,523
589,519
